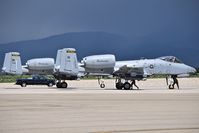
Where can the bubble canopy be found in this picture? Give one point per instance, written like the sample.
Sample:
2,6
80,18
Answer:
170,59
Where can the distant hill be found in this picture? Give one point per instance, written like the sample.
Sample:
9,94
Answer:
89,43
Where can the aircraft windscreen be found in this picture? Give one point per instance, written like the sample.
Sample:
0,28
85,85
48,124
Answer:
170,59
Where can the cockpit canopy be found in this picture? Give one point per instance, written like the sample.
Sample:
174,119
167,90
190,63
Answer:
170,59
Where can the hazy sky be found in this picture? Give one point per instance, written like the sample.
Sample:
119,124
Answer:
32,19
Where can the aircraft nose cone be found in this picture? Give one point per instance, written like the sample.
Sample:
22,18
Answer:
192,70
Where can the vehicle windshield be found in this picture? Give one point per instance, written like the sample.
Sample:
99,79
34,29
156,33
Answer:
42,77
38,77
170,59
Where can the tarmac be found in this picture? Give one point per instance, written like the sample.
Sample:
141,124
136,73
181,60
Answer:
84,107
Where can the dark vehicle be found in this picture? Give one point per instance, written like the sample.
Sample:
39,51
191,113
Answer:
36,80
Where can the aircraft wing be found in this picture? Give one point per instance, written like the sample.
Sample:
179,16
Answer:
130,72
98,74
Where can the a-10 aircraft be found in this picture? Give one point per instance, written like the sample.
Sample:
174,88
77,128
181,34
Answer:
64,68
104,65
67,67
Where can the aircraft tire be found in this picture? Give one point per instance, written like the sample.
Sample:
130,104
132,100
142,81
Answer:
127,86
102,85
64,85
119,86
23,84
58,85
171,87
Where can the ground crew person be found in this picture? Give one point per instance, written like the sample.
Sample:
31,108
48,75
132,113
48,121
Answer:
133,83
175,81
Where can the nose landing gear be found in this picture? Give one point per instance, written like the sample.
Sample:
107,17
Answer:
101,82
171,81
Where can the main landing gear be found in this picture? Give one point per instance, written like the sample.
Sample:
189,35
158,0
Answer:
126,85
119,85
61,84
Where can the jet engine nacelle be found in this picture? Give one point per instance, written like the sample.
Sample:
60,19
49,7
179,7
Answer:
40,64
99,61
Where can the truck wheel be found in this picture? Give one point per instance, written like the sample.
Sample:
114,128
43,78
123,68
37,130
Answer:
23,84
50,84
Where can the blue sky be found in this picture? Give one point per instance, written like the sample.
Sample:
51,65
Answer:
33,19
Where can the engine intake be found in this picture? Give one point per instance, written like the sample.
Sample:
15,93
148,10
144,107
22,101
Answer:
41,64
99,61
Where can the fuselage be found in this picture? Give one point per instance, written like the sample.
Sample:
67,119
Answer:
157,66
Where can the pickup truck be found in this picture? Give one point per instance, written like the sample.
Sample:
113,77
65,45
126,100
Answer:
36,80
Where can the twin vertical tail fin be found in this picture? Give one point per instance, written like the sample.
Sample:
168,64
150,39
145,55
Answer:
66,62
12,63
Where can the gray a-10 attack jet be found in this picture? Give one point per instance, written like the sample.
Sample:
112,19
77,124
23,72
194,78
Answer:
65,68
105,65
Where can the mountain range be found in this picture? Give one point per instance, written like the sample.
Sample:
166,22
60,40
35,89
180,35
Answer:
124,48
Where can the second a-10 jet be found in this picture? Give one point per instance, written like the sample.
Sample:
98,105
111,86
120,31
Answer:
64,68
126,72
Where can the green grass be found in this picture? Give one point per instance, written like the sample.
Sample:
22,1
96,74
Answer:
195,75
11,78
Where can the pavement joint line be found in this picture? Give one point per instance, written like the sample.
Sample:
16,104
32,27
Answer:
148,130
